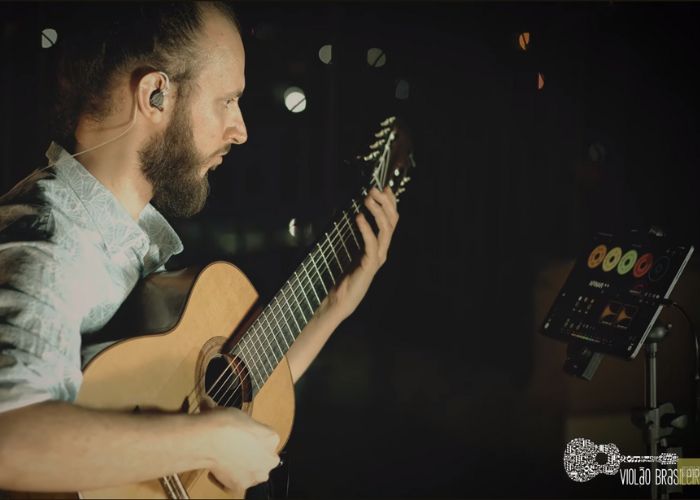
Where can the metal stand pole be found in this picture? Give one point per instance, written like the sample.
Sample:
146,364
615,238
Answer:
652,407
657,334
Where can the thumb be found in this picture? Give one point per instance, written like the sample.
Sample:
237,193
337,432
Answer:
206,404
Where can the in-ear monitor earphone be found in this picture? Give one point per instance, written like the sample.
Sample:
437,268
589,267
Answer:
158,96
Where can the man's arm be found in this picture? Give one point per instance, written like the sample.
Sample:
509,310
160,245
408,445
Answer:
57,446
48,444
345,297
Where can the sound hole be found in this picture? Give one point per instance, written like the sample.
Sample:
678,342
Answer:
222,381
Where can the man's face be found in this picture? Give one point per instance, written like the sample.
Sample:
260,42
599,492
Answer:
203,125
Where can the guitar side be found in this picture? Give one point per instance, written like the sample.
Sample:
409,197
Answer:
160,370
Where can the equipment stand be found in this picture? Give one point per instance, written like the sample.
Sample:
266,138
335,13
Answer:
649,420
652,346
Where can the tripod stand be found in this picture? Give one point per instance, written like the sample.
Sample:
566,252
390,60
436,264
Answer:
653,416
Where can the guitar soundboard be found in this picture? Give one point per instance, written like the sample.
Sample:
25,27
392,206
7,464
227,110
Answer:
615,292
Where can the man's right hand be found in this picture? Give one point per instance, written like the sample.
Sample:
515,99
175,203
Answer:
244,451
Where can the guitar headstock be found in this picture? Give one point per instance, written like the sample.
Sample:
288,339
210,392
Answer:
390,157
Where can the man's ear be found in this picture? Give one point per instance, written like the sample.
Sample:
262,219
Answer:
152,95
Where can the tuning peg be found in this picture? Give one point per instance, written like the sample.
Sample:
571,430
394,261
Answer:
382,133
400,190
371,156
391,183
388,121
407,179
377,144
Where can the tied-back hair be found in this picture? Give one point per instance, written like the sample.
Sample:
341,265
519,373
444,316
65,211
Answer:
102,40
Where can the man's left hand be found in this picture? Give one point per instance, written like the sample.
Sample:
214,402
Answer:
346,296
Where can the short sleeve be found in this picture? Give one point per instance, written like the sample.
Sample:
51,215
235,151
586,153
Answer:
39,326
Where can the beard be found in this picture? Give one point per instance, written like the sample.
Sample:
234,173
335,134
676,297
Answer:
170,162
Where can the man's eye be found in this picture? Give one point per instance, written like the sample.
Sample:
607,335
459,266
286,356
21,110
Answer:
229,102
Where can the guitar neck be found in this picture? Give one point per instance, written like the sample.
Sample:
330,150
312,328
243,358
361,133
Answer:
335,253
279,324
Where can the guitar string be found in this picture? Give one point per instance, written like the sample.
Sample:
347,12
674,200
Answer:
256,327
346,233
258,331
245,344
341,236
255,331
249,340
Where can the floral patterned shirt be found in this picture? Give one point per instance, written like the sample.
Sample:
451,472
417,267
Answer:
69,256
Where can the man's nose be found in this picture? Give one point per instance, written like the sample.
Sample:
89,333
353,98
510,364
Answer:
237,133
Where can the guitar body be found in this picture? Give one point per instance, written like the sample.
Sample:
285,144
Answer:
160,370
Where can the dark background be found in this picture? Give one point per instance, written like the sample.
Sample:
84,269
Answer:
439,384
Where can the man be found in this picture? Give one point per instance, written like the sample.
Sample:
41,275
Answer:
152,116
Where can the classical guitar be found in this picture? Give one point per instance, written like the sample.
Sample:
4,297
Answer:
200,341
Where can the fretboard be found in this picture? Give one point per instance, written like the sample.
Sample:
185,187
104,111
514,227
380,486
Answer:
271,335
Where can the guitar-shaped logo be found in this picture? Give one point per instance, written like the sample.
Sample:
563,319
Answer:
584,460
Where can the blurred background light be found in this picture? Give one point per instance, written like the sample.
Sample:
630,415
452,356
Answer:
325,53
376,58
295,99
49,36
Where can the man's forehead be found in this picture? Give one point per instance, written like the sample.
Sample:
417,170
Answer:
220,34
222,50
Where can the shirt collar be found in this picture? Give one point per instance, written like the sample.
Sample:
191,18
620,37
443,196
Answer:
152,238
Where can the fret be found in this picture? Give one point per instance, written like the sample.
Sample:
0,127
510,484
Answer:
256,331
290,287
284,295
355,206
337,230
311,308
259,326
261,366
326,262
330,243
250,362
265,313
319,274
279,308
313,287
346,217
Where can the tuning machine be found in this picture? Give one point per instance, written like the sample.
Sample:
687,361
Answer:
382,133
372,156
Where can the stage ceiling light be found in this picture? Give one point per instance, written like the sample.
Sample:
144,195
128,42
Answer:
376,58
48,38
295,99
325,54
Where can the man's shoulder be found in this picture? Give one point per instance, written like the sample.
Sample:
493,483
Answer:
26,211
